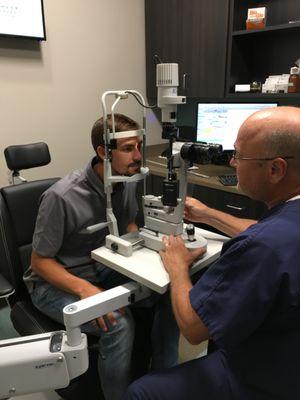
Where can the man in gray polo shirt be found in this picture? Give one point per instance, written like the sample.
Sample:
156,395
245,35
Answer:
62,271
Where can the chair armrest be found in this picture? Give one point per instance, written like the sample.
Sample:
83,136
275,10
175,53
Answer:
6,289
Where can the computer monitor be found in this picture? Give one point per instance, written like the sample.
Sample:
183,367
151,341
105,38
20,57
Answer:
219,122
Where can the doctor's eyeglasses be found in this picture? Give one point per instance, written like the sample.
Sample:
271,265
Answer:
236,156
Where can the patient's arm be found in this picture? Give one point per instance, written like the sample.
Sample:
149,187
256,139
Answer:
55,273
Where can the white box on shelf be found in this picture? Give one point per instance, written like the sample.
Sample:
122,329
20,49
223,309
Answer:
242,88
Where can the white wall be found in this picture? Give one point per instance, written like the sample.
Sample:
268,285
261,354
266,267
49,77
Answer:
50,91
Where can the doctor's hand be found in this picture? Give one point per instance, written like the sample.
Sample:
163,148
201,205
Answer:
194,210
101,322
176,257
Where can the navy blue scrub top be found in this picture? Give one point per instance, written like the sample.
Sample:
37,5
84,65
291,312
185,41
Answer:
250,302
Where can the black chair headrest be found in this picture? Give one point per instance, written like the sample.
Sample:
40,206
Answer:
26,156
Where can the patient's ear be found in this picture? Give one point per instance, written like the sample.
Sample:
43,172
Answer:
101,152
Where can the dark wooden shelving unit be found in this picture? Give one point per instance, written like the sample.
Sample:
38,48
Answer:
281,27
208,41
256,54
188,32
251,95
283,99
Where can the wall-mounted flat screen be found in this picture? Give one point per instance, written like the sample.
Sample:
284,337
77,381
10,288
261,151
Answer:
22,18
220,122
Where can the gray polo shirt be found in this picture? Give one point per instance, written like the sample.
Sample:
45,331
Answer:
71,205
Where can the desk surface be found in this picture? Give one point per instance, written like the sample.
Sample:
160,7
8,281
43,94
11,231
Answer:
145,266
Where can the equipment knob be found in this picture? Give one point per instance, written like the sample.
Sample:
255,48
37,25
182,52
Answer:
190,231
114,247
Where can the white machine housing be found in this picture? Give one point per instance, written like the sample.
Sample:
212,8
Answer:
167,84
38,362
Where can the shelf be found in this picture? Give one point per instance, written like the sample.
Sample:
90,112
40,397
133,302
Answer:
283,99
265,95
257,54
282,27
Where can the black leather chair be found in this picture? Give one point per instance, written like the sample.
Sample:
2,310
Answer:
18,212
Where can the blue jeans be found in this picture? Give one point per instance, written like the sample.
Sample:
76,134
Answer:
115,346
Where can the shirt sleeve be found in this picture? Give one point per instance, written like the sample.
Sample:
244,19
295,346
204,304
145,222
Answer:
235,294
49,229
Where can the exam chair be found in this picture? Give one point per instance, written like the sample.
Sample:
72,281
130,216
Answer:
18,211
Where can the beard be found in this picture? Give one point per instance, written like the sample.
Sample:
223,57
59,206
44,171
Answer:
133,168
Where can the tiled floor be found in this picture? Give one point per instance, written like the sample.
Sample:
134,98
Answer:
6,329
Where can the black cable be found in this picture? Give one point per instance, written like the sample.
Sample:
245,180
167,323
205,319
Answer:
157,59
138,100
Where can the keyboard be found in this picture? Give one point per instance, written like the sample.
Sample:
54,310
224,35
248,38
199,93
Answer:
228,180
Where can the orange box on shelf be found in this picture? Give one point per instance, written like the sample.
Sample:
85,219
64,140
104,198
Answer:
256,18
255,24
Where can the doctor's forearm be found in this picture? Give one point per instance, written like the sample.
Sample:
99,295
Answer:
227,223
190,325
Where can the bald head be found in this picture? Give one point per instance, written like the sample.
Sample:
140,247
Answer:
267,157
277,130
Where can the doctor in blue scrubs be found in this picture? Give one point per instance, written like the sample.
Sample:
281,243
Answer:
248,301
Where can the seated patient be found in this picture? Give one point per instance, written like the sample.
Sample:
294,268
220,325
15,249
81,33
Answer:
248,301
62,271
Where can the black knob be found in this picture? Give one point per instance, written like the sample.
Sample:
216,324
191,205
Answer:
114,247
190,230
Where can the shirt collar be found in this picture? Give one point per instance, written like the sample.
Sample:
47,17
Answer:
92,178
294,198
277,207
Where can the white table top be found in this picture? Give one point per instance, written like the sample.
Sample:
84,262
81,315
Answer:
145,265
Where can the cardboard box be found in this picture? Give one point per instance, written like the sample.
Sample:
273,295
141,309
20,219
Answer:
255,24
256,18
242,88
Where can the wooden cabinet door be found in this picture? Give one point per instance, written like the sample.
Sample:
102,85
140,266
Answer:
192,33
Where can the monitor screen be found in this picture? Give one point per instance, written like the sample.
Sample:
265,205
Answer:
22,18
219,122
